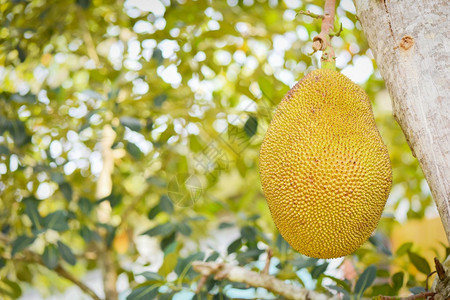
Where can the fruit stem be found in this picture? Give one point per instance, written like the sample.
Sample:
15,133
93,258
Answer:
323,40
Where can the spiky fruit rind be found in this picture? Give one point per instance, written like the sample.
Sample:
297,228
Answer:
325,170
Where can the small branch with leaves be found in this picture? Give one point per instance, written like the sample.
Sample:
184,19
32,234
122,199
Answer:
442,290
224,271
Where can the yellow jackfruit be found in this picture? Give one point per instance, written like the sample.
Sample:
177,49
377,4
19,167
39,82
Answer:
324,168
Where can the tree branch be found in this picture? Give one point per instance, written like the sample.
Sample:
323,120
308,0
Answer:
87,37
270,283
423,295
63,273
104,189
31,257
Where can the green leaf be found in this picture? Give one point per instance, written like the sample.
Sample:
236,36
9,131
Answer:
159,100
157,55
250,127
184,229
340,290
169,263
224,225
27,98
171,295
318,270
378,240
20,243
132,123
50,256
248,233
152,276
253,217
234,246
241,166
5,125
66,253
134,150
66,190
266,87
383,289
149,124
56,220
397,280
2,262
10,288
365,281
166,204
154,212
184,265
19,134
144,293
114,199
167,240
57,177
304,262
213,256
419,262
249,256
196,218
84,3
88,235
166,134
342,283
404,248
194,143
4,149
383,273
31,209
170,248
85,206
156,181
162,229
282,245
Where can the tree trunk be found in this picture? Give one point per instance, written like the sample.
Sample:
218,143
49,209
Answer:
410,42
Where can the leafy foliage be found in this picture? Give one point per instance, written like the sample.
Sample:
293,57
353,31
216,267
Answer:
188,89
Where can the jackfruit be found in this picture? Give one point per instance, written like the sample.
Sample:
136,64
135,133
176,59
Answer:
324,168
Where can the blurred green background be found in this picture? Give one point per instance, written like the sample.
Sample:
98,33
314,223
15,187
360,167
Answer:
183,92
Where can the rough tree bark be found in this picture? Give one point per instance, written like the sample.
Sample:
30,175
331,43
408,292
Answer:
410,42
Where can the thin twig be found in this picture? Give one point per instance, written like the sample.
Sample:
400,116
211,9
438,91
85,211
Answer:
428,277
311,14
201,283
269,258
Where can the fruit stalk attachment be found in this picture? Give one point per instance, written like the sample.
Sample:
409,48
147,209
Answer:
322,42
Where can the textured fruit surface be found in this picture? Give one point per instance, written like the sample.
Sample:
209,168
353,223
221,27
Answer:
325,170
